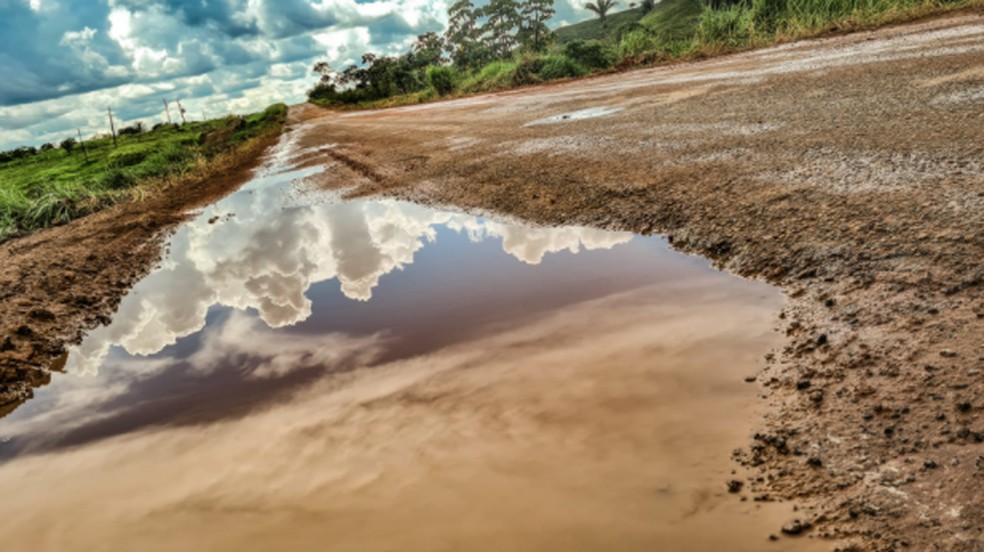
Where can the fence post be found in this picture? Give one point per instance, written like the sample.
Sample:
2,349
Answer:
112,127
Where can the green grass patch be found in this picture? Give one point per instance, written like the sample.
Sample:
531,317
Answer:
494,76
55,186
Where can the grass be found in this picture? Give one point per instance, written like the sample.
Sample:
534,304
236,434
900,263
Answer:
673,21
764,22
592,29
53,187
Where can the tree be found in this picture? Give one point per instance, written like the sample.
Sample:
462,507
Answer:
501,28
601,7
428,50
47,146
535,14
68,144
461,38
647,5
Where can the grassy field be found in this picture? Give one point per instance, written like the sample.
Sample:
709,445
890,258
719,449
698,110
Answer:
54,186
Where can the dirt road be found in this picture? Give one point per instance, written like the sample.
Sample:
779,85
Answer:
848,171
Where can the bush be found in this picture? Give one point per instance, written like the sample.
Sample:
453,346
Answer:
117,179
592,55
498,74
441,79
132,130
635,44
561,67
527,71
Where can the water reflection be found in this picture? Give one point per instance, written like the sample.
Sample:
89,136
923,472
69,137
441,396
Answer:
232,306
305,373
267,259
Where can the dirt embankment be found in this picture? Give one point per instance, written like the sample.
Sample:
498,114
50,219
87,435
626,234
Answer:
61,282
848,171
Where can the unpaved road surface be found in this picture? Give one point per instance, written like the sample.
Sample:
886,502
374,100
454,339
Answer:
847,171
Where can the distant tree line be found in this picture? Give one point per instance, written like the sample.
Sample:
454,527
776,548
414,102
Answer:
476,36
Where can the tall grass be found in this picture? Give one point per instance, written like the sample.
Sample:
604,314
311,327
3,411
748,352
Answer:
757,22
496,75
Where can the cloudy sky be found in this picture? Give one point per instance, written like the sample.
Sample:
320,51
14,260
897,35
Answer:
65,61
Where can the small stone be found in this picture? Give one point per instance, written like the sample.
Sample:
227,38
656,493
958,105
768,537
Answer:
25,331
735,486
773,538
930,465
814,462
947,353
796,527
822,340
803,384
964,407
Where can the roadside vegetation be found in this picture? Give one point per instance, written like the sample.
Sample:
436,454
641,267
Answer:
53,184
507,43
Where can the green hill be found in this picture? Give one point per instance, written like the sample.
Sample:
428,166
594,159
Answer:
670,20
592,28
673,20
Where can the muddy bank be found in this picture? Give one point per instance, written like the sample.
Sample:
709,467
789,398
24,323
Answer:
847,171
58,283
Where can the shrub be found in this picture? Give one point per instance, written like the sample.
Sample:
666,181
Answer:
117,179
561,67
134,129
498,74
592,55
635,44
441,79
527,71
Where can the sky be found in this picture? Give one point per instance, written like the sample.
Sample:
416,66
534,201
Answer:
64,62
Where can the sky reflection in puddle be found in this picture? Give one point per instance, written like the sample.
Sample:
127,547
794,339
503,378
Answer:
307,373
267,284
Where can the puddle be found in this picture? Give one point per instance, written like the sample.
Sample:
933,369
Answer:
305,373
590,113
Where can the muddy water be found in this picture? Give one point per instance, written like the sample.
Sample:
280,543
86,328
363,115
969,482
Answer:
307,373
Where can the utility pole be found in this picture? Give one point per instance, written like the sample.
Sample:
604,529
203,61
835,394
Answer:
181,111
112,126
167,110
82,143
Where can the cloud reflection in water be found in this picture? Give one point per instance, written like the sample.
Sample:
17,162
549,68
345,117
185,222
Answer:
266,259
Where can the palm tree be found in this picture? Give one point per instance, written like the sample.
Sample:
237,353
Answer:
601,7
